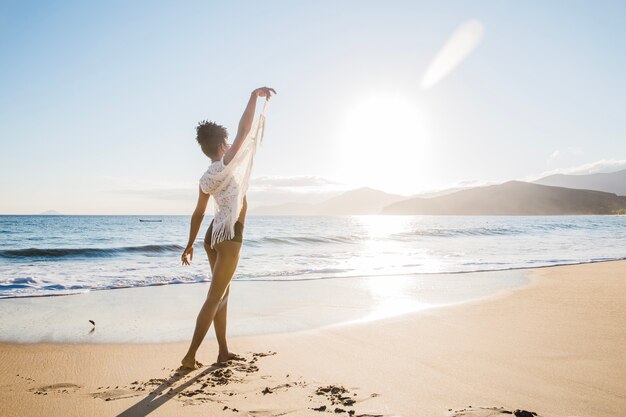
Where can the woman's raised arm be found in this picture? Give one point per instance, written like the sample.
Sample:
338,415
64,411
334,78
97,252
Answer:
245,124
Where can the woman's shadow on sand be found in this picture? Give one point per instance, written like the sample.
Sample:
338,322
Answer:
158,397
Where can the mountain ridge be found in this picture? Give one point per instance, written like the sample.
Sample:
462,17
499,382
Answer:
514,198
610,182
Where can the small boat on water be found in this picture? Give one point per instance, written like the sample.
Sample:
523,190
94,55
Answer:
150,221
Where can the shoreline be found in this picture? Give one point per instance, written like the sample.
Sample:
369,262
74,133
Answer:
14,310
520,268
255,307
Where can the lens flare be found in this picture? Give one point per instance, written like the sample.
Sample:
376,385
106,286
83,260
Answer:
456,49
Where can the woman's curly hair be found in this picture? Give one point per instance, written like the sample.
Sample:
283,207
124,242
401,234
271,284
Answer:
210,136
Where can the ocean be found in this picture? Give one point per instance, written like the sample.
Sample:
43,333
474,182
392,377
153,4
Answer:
55,255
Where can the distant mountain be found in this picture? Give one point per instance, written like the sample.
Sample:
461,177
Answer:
514,198
614,182
50,213
359,201
442,192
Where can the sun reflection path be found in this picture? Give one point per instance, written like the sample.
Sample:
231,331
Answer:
391,295
383,250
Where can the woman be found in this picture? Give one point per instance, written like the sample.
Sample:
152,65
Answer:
226,178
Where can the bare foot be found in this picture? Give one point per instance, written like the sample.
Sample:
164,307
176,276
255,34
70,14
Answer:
190,363
221,358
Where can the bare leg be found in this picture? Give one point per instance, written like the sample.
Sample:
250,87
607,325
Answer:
219,322
223,271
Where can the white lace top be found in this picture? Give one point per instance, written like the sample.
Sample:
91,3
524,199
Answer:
228,184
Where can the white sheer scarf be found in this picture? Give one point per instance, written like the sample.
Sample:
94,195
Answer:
228,184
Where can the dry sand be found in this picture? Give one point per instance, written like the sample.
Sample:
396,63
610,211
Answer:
556,347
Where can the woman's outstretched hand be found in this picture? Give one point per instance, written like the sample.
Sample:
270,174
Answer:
187,253
264,92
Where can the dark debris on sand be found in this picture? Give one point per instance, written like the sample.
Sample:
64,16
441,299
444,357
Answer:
232,409
339,395
524,413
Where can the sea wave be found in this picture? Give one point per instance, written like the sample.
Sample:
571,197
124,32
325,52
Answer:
87,252
478,231
526,229
296,240
31,287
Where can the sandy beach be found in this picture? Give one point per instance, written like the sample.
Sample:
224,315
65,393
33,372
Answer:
555,346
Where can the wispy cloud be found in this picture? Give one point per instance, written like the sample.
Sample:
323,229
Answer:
263,190
603,165
474,183
161,190
560,153
456,49
137,183
298,184
184,194
293,181
553,156
271,190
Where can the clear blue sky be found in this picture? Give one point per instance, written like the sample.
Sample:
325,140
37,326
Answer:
99,100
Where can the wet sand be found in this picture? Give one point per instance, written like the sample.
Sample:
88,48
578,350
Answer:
167,313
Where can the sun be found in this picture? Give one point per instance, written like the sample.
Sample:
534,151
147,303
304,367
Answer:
383,143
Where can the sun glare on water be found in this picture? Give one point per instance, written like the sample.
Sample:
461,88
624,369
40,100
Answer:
383,143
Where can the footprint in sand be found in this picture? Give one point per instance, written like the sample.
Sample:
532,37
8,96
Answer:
115,394
490,412
240,377
60,388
